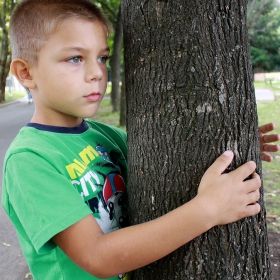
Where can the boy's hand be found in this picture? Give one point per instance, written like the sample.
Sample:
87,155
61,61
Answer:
229,197
265,139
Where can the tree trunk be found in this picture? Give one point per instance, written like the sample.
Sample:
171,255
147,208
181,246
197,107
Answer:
116,64
3,51
190,97
123,103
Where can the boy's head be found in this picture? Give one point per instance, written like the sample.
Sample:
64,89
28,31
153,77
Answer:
33,21
59,53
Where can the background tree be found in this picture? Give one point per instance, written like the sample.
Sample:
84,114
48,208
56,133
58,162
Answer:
264,36
5,57
190,97
123,103
113,11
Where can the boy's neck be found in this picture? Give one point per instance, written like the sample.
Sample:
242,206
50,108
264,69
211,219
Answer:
63,122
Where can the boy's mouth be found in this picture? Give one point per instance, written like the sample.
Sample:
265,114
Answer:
93,96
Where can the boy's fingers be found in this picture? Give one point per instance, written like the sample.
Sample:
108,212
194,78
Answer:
270,148
252,188
266,157
252,209
255,175
271,138
244,171
266,127
253,197
221,163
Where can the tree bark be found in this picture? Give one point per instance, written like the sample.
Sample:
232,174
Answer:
116,64
190,97
123,103
3,51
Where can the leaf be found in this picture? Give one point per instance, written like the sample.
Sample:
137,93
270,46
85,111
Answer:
27,275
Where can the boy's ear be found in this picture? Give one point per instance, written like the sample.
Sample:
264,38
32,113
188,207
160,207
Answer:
21,70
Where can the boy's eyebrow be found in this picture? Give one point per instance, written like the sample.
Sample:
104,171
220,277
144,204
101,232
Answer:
79,49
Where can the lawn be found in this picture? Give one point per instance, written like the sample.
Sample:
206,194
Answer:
15,95
106,115
272,85
267,112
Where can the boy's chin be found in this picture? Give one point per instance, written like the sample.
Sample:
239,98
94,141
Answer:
88,116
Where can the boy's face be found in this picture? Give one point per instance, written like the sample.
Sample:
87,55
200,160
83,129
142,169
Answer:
71,74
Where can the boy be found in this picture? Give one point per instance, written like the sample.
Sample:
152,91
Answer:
64,183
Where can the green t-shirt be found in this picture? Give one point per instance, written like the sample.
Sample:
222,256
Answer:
56,176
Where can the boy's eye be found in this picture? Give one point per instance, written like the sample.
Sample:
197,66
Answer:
103,59
75,59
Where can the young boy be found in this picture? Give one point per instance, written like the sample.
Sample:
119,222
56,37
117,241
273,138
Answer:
64,183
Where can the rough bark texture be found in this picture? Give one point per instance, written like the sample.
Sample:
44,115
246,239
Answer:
4,51
190,97
116,64
123,104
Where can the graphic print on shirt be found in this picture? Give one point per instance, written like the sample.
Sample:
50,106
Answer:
113,195
98,178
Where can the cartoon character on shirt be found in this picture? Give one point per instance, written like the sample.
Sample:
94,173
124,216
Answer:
111,202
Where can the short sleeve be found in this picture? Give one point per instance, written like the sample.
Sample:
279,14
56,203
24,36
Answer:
40,200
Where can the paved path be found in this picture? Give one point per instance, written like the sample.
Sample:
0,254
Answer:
264,94
12,264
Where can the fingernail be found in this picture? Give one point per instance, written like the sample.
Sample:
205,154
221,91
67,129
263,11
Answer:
228,153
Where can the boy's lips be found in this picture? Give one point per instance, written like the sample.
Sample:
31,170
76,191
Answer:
93,96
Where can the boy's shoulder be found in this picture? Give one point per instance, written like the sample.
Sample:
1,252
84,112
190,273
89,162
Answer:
111,130
23,139
106,127
30,139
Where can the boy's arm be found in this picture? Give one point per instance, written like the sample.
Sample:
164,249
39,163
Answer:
221,199
266,139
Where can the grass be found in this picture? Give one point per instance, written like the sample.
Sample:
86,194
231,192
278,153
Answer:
15,95
268,112
274,86
105,114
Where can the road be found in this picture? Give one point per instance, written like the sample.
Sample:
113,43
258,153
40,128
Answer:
12,264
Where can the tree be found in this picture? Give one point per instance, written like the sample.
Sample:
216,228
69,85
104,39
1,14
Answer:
123,104
116,64
190,96
5,57
112,9
264,38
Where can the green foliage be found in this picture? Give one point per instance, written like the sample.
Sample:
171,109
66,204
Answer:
261,58
263,18
111,9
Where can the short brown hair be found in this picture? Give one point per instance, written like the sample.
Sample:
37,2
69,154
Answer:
33,21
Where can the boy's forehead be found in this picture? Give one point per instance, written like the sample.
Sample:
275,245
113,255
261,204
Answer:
80,22
80,49
75,28
76,37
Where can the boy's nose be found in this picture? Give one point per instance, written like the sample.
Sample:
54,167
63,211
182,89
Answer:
94,72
